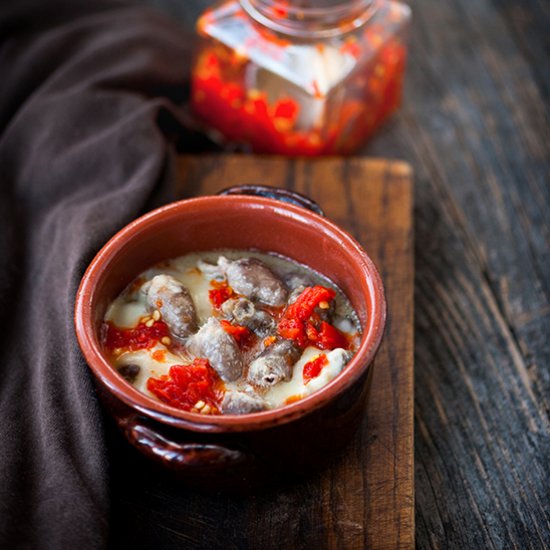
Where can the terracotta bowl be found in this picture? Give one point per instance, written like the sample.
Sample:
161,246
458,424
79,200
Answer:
233,449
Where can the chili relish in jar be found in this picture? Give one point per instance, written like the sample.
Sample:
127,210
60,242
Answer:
299,77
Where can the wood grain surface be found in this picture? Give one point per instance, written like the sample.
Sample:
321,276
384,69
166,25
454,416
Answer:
365,498
474,126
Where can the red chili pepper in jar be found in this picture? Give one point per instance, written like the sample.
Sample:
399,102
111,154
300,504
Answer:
334,87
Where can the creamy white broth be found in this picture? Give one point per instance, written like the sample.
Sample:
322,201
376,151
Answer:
131,307
296,387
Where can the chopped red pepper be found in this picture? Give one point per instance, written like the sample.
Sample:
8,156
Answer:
293,399
298,321
330,337
312,369
269,341
241,334
351,47
292,329
159,355
280,9
286,108
187,385
221,98
220,293
140,337
311,332
316,90
308,300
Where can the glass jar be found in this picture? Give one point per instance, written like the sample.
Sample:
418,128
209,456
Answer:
299,77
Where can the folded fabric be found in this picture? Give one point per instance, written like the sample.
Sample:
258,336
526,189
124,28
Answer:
89,93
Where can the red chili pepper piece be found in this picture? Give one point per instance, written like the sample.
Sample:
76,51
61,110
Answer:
351,47
280,9
311,332
186,385
308,300
330,337
316,90
286,108
140,337
220,293
241,334
298,321
293,329
312,369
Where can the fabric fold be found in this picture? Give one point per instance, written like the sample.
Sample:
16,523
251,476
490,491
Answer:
82,153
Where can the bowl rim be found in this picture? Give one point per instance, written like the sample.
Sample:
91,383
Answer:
148,406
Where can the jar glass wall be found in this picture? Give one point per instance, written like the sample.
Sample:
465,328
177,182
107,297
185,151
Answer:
299,77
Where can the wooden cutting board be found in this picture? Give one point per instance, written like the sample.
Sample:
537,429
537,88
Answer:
365,499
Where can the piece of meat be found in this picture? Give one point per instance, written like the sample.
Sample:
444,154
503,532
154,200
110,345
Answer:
129,372
174,302
253,279
273,364
238,402
221,350
212,271
296,283
326,314
243,312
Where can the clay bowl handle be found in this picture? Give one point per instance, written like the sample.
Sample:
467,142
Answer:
277,193
180,456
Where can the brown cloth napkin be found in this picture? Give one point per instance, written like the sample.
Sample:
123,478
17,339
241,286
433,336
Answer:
89,93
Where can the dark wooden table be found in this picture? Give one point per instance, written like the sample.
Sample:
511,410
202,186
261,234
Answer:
475,128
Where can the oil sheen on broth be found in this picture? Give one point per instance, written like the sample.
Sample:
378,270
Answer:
230,332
